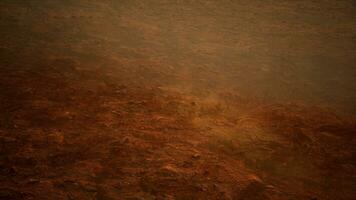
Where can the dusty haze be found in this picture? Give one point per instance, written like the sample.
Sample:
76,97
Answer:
177,99
280,50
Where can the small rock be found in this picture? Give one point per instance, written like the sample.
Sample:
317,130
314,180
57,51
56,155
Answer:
33,181
196,156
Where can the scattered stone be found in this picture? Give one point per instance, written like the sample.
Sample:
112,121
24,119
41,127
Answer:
196,156
33,181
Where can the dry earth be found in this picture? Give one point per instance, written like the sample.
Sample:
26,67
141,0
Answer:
125,100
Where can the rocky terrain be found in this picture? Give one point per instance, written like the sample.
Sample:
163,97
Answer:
236,100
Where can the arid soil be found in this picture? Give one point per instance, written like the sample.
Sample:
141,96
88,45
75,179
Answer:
110,100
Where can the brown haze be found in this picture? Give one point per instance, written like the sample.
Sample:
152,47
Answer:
177,99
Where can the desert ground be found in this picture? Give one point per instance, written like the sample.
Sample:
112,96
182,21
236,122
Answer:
177,100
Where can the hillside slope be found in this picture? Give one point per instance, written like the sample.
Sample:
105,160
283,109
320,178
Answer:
192,100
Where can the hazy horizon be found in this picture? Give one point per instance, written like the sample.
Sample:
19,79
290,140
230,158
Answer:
280,50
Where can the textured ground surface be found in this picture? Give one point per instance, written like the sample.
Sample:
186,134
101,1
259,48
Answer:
186,100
